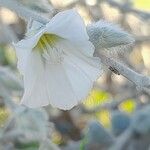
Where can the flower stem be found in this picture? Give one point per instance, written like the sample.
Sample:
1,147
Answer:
22,11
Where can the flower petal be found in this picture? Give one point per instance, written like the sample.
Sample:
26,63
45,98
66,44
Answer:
81,73
24,47
70,82
59,89
79,80
22,56
35,94
72,49
69,25
29,42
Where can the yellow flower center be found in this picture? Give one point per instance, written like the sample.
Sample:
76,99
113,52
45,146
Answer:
47,46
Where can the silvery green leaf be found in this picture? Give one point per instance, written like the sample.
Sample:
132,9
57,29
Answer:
37,5
8,80
28,124
105,35
97,133
7,35
72,145
48,145
97,137
120,122
141,121
9,83
4,38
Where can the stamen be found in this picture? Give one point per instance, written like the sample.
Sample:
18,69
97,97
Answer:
47,46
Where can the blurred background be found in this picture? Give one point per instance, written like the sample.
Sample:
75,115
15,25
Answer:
113,106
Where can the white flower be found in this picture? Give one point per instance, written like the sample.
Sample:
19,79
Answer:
57,63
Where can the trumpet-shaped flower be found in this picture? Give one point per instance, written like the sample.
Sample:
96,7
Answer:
57,62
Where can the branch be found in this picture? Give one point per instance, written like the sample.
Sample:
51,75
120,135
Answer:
140,39
138,79
22,11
